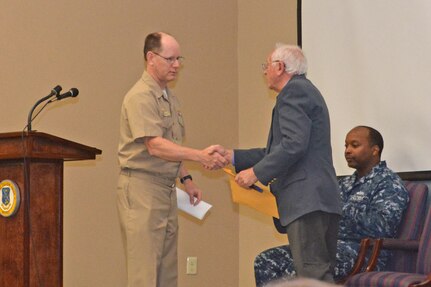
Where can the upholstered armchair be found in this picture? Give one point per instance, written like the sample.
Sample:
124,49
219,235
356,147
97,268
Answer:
410,265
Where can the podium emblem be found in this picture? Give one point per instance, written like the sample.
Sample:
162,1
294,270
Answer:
10,198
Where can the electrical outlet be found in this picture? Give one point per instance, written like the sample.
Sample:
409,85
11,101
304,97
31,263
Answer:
192,265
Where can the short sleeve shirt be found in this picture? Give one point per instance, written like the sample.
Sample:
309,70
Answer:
147,112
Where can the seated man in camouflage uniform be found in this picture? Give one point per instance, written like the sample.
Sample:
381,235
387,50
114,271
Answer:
374,199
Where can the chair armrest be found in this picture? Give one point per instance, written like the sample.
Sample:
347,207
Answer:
390,244
378,245
425,283
374,255
360,260
400,244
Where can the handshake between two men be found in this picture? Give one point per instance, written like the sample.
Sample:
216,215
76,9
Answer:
212,158
216,156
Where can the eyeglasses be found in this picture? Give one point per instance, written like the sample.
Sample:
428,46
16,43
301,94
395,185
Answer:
265,65
171,60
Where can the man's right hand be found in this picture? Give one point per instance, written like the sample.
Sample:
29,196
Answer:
213,157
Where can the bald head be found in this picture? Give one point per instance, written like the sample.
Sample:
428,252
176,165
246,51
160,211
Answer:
374,137
155,42
163,57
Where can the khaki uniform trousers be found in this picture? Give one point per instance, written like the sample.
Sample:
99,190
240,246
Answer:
147,208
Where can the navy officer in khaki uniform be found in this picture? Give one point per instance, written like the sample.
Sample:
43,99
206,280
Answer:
150,156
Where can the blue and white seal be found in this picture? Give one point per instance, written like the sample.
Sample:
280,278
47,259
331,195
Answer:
9,198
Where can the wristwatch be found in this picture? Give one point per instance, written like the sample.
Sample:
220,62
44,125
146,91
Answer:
186,177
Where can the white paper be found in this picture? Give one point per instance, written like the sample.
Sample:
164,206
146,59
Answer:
183,202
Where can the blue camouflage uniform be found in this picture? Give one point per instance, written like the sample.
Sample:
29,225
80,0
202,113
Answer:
372,206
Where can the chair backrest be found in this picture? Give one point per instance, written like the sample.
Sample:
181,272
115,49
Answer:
411,227
424,254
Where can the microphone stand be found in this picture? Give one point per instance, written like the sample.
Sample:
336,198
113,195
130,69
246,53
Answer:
54,92
30,114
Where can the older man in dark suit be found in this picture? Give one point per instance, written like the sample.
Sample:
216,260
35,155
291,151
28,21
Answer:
297,163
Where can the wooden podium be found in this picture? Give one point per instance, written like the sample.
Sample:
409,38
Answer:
31,240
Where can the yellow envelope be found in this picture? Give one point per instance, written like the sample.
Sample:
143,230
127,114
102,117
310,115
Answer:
261,201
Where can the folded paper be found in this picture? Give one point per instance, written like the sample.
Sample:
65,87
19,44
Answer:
198,211
261,201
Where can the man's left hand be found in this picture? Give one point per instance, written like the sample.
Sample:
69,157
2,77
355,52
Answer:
194,192
246,178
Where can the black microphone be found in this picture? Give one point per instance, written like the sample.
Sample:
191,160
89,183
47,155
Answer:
73,92
54,92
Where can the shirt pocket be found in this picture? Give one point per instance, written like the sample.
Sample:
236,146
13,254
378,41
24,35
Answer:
180,118
181,123
167,119
177,127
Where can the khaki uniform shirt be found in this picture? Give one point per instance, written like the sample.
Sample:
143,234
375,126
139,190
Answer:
147,112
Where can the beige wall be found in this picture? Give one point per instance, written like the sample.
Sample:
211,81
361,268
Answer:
96,47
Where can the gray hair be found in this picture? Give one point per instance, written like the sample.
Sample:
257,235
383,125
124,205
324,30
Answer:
293,58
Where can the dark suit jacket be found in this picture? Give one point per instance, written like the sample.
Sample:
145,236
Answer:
297,160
